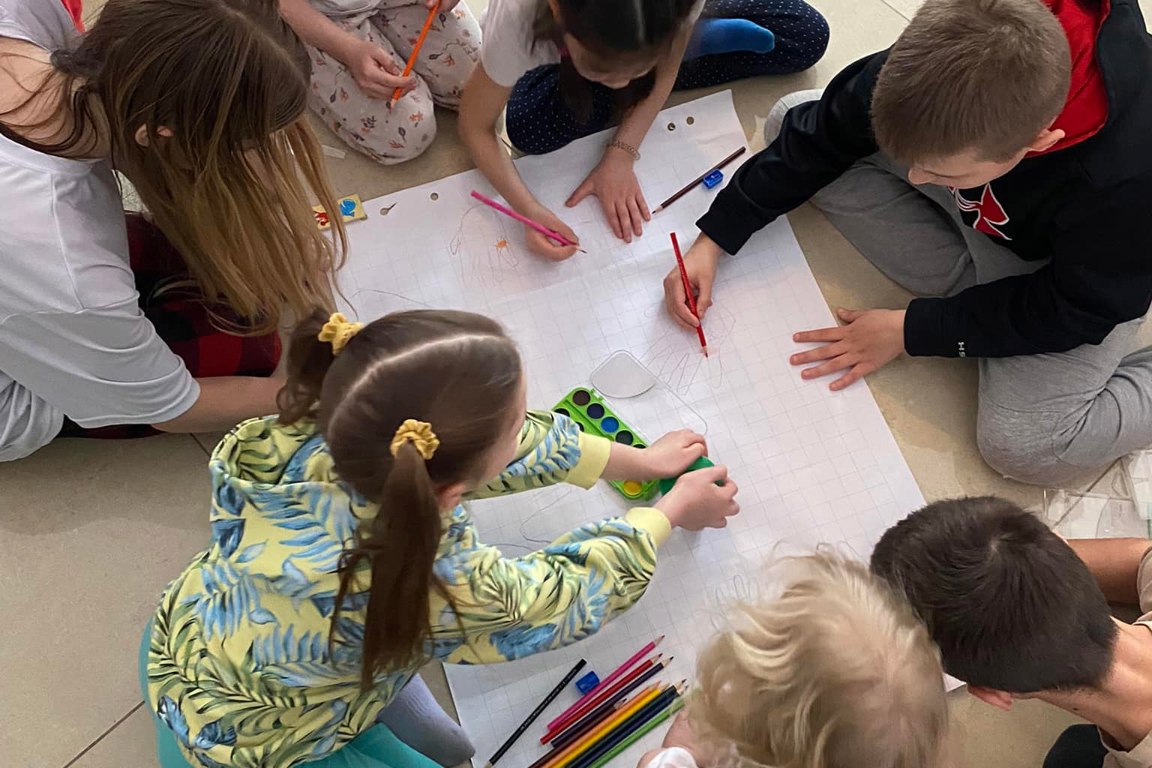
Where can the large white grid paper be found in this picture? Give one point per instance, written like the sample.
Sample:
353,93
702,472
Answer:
812,466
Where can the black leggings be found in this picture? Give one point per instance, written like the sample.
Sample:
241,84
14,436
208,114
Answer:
539,120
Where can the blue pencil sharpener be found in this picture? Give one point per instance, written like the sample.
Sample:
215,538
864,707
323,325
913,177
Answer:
587,683
713,178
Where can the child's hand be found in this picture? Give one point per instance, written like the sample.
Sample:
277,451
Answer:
681,734
542,245
614,183
867,341
700,264
672,454
376,72
696,502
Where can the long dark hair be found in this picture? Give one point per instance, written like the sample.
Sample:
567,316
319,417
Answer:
612,30
233,185
455,370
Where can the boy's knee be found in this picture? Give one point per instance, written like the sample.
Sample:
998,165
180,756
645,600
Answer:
1005,452
775,120
1031,448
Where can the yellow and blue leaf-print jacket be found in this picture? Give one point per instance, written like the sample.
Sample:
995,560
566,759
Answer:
239,663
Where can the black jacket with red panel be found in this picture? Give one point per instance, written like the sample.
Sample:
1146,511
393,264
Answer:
1085,205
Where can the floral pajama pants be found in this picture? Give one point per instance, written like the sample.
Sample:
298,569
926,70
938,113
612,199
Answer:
446,60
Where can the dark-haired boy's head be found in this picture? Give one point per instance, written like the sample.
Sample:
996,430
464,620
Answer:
1009,603
970,87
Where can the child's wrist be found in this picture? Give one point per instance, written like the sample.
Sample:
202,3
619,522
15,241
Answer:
672,509
346,50
627,463
622,150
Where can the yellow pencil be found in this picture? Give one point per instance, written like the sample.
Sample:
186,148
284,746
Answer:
582,745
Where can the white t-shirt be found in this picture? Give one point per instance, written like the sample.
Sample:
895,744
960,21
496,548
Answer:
510,47
673,757
73,340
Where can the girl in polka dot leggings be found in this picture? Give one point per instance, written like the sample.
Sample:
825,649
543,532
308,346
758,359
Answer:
540,121
563,69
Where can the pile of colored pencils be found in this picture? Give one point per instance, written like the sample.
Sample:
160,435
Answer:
611,717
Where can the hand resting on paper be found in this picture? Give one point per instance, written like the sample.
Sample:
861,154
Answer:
867,341
613,182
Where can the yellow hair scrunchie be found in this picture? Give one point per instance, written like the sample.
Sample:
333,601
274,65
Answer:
420,434
338,332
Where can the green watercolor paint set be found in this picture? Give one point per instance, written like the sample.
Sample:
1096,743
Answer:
587,408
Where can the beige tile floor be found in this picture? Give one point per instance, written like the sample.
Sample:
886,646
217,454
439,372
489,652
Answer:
91,532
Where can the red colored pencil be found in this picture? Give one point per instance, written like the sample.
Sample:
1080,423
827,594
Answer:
566,714
587,704
396,94
688,293
575,728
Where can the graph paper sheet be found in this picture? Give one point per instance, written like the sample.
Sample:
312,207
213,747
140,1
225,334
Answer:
812,466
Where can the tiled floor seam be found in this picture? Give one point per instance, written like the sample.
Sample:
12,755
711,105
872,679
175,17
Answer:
104,735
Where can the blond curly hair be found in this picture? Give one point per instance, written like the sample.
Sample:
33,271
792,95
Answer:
835,672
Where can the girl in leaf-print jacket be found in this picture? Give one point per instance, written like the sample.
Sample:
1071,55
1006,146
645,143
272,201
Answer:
342,559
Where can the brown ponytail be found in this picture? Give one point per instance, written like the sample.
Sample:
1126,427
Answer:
308,362
401,549
455,370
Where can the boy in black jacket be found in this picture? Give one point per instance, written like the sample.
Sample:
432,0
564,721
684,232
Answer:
996,161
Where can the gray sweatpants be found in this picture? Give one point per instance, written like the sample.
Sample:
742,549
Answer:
1043,419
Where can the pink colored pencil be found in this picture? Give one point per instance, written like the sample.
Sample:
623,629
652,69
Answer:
553,235
636,657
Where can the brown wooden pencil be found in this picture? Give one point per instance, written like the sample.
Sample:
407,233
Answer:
688,187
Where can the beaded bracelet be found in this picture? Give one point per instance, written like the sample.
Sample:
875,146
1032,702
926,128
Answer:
625,147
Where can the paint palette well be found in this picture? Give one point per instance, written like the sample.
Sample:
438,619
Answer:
585,406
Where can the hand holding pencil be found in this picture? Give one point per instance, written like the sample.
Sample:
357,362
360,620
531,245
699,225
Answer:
700,265
433,10
375,71
545,234
547,245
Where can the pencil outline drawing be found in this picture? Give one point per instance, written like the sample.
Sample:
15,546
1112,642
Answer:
675,357
483,263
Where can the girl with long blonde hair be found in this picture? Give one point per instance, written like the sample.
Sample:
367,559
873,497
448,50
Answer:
169,322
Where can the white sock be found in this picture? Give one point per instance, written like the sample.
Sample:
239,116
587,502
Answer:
418,721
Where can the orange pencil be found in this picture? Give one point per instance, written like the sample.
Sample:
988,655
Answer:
622,706
586,743
559,758
415,52
688,293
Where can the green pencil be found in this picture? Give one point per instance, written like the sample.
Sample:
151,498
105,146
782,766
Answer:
676,707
